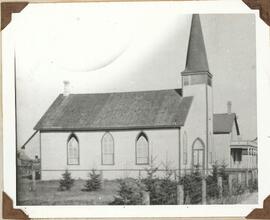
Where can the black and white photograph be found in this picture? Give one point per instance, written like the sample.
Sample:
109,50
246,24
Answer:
125,104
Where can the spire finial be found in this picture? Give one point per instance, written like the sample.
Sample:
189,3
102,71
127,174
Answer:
196,55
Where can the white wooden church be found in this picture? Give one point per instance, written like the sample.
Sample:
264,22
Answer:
120,133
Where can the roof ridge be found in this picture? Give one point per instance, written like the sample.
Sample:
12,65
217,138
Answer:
96,93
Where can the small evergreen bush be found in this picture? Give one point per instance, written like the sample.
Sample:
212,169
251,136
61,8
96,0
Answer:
66,182
168,190
151,184
93,183
162,190
192,187
211,183
129,193
253,186
238,189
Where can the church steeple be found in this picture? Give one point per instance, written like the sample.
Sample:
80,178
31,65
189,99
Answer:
197,82
196,55
196,62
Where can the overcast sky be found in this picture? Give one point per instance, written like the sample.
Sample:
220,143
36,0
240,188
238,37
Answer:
123,48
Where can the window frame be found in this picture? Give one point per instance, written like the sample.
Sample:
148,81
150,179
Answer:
102,150
237,155
73,135
136,141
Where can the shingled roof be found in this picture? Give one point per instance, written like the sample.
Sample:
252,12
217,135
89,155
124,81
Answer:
223,123
125,110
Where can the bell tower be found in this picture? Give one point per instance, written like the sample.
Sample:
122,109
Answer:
197,70
197,82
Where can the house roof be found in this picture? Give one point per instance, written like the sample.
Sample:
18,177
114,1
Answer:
125,110
243,144
223,123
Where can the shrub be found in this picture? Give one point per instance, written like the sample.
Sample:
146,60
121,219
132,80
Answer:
66,182
168,191
162,190
192,187
93,183
151,184
222,172
253,186
238,189
129,193
212,181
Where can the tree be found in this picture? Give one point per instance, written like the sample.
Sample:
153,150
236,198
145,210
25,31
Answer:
192,186
130,193
66,182
93,183
211,181
162,190
168,189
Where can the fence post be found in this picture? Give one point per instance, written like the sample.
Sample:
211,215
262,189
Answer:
246,177
180,195
255,174
220,187
252,176
33,180
187,199
230,182
203,190
140,174
239,179
146,198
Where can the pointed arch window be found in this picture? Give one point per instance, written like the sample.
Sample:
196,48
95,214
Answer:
142,149
107,149
185,143
198,153
72,150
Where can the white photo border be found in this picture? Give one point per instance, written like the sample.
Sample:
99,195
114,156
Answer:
263,118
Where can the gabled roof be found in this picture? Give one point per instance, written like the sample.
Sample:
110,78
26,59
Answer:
125,110
196,60
223,123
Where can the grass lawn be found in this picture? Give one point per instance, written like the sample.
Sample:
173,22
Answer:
47,193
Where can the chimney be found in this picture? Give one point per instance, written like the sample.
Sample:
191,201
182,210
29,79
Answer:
66,88
229,107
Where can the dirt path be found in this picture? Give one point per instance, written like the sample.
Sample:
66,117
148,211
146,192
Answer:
251,198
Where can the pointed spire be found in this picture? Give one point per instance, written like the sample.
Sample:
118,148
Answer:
196,55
